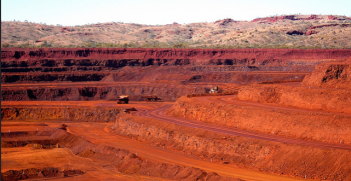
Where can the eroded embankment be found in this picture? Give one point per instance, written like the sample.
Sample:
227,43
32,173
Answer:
266,156
300,124
154,74
334,100
99,92
72,113
36,173
330,75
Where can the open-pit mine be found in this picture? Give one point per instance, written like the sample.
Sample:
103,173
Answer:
175,114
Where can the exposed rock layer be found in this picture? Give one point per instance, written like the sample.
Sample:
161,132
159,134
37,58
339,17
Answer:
200,55
330,75
334,100
289,123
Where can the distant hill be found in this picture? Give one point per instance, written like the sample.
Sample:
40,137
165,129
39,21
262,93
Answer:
288,31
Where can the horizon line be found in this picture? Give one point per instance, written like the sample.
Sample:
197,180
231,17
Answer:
277,15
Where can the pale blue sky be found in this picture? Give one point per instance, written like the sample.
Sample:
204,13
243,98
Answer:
79,12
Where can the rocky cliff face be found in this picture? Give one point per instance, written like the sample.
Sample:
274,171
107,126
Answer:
330,75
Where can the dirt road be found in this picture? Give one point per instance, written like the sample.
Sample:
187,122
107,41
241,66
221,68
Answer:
98,133
159,114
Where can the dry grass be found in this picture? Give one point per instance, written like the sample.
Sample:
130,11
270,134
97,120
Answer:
220,34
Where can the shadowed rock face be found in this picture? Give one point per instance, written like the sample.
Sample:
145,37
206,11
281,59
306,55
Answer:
34,173
295,32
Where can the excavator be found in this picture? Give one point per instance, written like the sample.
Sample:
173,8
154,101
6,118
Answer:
151,98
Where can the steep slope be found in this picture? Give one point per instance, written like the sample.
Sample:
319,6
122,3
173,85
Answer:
331,75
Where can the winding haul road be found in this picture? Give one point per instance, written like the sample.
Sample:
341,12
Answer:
100,134
159,114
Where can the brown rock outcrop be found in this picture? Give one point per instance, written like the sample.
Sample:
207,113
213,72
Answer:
330,75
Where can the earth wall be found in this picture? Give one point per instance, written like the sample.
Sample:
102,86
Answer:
266,156
334,100
300,124
191,54
330,75
63,114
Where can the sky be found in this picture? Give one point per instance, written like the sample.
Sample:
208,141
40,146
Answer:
160,12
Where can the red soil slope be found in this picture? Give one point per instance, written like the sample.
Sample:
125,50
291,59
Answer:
267,119
331,75
334,100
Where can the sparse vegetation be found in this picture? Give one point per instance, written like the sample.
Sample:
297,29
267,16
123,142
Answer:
219,34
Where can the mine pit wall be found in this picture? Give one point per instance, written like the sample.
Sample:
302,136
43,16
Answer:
45,144
328,75
135,92
191,54
163,86
266,156
60,114
245,65
195,77
48,77
294,124
118,64
38,173
233,64
98,59
333,100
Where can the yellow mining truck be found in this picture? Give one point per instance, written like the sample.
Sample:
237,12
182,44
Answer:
152,98
123,99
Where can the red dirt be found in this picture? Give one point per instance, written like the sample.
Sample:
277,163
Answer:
146,151
332,100
278,129
268,119
122,160
331,75
233,149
